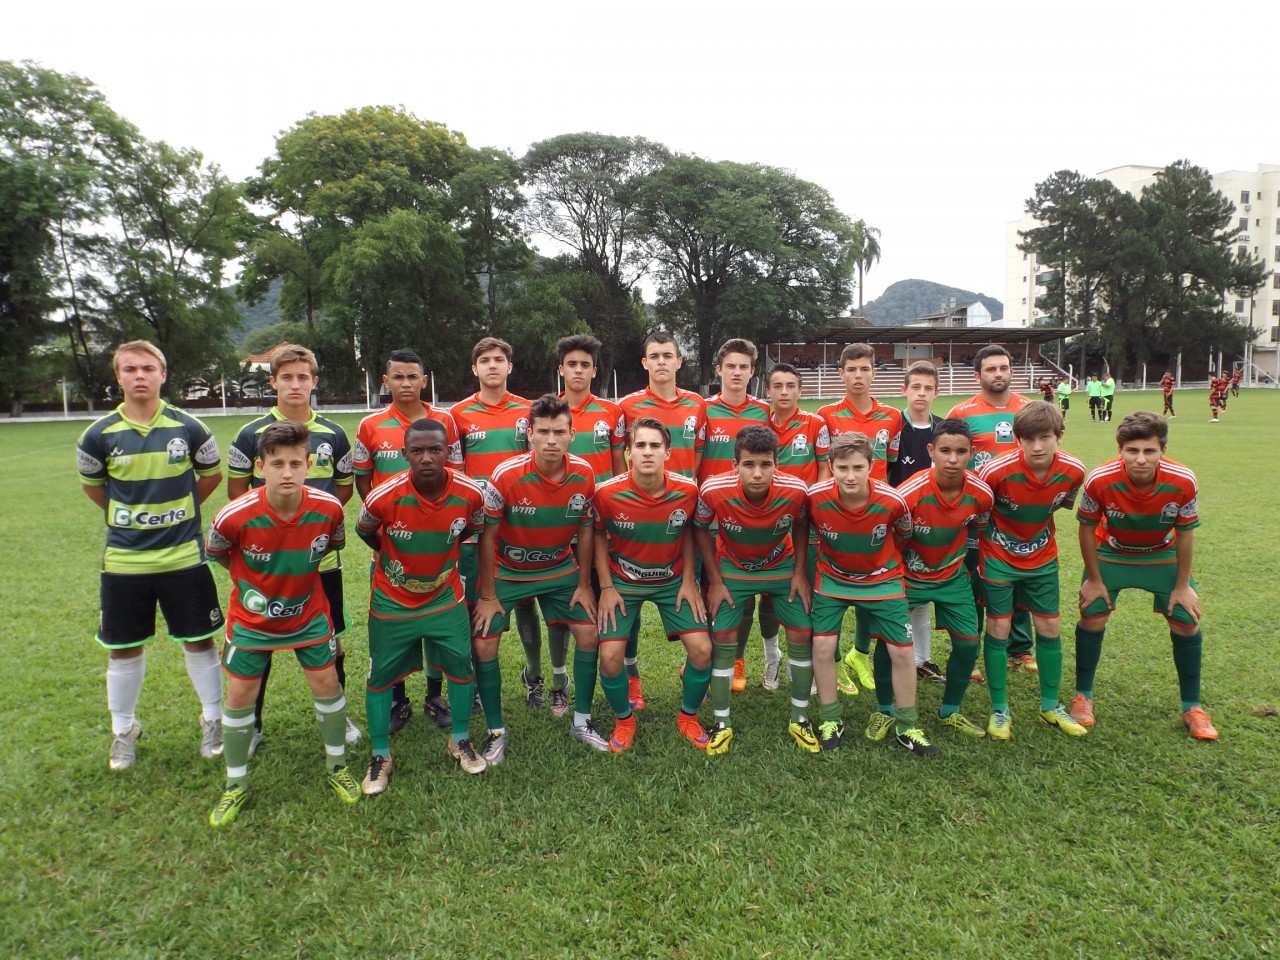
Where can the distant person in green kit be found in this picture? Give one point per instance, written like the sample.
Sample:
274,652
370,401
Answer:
1094,389
1064,395
1108,395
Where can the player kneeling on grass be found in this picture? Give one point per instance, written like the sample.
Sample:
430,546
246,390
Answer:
416,523
644,551
860,522
1136,516
758,511
534,504
272,539
948,504
1019,562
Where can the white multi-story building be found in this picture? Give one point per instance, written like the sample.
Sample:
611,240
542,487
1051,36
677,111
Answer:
1256,195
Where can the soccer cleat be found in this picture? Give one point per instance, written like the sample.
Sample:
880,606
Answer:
929,672
1214,420
465,756
559,700
960,724
691,730
210,738
624,731
1023,662
437,709
802,733
977,676
769,680
914,741
1199,725
830,734
718,739
879,726
1082,710
861,664
845,681
344,785
533,691
255,742
1058,717
353,733
378,777
739,676
228,807
494,748
1000,725
588,734
634,694
123,754
400,714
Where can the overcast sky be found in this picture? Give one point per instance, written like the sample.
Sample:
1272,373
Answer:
932,121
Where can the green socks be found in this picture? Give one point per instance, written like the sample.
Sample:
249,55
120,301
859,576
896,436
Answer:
489,680
800,657
694,685
377,714
530,630
744,628
585,665
615,691
558,647
461,695
237,734
861,635
964,654
1088,654
1187,652
904,719
1049,660
722,655
882,668
333,728
995,657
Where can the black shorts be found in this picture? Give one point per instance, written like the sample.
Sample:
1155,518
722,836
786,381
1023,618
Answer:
187,598
331,581
1065,402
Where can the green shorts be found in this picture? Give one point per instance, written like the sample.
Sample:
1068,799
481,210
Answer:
314,646
396,646
553,599
1157,579
675,623
1008,587
790,613
952,601
469,569
886,617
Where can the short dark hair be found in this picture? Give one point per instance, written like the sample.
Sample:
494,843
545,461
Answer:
783,368
953,427
857,351
649,423
425,425
850,443
485,344
403,356
1143,425
659,336
737,345
548,407
921,368
1037,417
990,350
283,433
579,341
755,438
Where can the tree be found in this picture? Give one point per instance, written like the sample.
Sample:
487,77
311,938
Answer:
487,202
866,252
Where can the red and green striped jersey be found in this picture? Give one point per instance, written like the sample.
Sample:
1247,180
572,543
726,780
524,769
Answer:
537,517
274,563
752,539
803,442
150,473
685,417
491,433
598,429
858,546
941,527
992,427
417,565
379,446
644,533
1139,526
882,425
1166,384
1021,530
724,420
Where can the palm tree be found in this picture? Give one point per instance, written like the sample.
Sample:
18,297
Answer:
866,251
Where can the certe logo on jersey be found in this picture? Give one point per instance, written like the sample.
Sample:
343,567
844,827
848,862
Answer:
124,517
176,449
1004,431
255,602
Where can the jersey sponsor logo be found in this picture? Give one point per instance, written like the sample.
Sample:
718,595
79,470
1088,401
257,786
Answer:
731,525
177,450
1089,505
124,517
690,428
217,541
824,436
624,522
1188,509
1130,548
676,522
923,529
492,498
361,452
770,560
636,572
255,552
982,458
394,572
344,463
207,455
324,455
783,524
1115,513
400,531
474,434
913,561
1008,504
719,435
600,433
525,507
879,534
456,529
366,520
577,504
386,451
1004,431
522,555
256,603
237,459
1017,547
86,463
319,546
1169,512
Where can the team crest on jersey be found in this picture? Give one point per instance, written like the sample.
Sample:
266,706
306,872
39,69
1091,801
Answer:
319,546
577,503
1169,513
600,432
675,522
324,455
176,449
783,524
1058,500
690,428
799,443
879,533
882,439
456,528
522,433
1004,431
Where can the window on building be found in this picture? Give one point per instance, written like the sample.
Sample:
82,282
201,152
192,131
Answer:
1275,308
1275,281
1244,223
1244,196
1239,306
1024,301
1277,256
1242,251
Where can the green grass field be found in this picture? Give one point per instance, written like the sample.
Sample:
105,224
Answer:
1134,841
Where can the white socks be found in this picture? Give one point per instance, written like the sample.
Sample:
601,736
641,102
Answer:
921,633
124,687
771,654
205,672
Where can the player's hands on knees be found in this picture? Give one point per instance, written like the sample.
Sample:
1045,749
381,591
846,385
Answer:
1186,598
717,594
1092,590
612,608
801,590
690,594
585,598
485,610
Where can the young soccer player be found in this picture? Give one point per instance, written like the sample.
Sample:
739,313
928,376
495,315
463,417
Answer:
1166,385
644,551
1235,382
1064,396
495,425
1137,514
379,457
756,512
948,505
1108,394
149,466
684,414
1020,558
859,522
294,377
415,524
1217,396
1094,389
860,412
273,540
727,413
535,504
990,414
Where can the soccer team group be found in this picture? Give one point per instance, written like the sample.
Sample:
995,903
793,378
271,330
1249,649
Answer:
707,508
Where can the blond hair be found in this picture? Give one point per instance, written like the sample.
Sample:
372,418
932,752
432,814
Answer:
137,346
292,353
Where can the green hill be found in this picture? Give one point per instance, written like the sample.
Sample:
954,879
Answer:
258,315
907,299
